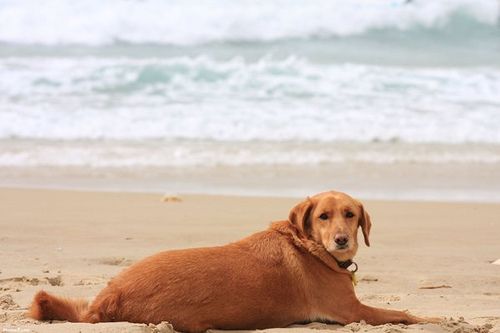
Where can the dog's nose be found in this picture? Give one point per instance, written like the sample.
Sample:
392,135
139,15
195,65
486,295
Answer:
341,239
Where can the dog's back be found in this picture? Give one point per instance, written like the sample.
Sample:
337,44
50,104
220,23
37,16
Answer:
234,286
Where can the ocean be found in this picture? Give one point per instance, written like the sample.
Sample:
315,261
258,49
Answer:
129,84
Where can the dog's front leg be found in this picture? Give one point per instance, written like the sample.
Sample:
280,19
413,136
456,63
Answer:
377,316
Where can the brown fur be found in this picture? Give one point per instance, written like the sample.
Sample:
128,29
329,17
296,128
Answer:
49,307
286,274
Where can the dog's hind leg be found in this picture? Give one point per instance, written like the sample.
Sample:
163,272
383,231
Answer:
106,307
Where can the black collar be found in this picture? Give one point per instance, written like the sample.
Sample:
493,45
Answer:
346,264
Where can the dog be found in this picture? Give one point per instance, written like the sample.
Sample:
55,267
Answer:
296,271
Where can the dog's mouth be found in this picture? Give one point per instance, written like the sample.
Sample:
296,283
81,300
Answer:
338,249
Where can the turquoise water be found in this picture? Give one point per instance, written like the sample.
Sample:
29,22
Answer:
268,74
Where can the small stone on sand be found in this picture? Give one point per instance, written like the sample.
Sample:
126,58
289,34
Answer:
171,198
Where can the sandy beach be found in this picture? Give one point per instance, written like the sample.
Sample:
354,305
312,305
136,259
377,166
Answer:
197,123
432,258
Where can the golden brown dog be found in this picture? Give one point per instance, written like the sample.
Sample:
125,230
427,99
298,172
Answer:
294,272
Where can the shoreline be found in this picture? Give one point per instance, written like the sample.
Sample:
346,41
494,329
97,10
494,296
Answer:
387,171
401,181
241,195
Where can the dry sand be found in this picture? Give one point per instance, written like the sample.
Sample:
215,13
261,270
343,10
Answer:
434,259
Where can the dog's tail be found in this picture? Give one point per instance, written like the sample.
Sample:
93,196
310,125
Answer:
49,307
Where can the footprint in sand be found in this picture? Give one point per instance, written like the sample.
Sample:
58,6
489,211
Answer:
461,326
55,281
115,261
16,283
7,303
21,280
382,298
391,329
92,281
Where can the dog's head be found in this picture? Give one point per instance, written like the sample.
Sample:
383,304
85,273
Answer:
332,219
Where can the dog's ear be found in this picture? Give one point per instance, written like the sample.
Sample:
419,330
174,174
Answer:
299,215
365,223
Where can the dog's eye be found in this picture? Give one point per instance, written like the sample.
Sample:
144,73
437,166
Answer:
349,215
323,216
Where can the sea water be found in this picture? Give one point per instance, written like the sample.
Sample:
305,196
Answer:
124,84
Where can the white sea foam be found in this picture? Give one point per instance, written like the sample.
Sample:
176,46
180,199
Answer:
179,154
239,101
176,88
185,22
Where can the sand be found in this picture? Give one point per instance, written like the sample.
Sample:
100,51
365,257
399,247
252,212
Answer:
434,259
